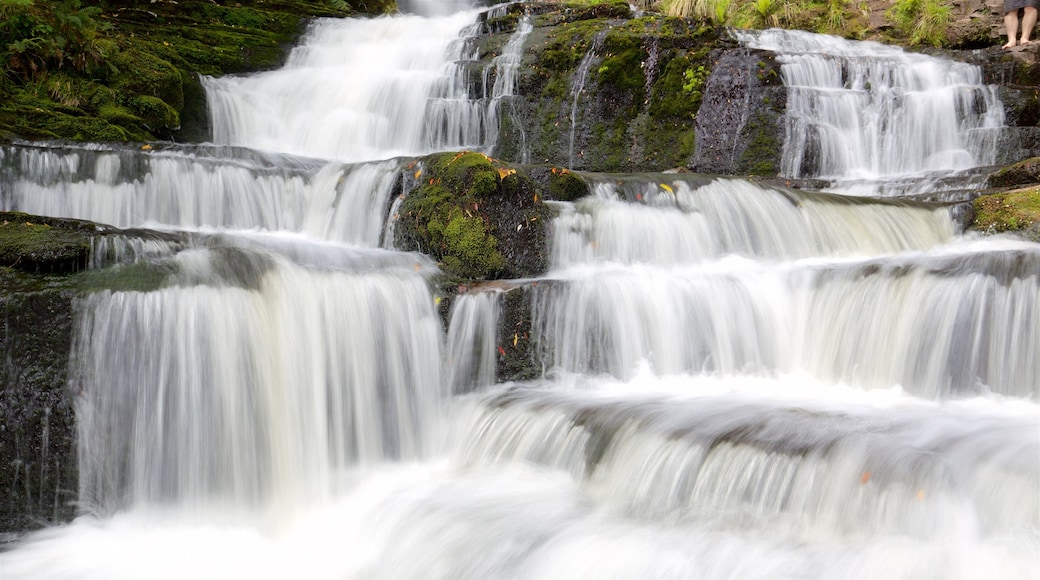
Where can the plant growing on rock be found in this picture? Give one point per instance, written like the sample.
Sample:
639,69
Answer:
922,21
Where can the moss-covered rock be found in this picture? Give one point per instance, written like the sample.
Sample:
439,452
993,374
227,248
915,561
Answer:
1014,211
1021,173
480,218
603,91
44,245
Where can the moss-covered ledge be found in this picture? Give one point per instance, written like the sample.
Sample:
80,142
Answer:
45,245
480,218
1015,211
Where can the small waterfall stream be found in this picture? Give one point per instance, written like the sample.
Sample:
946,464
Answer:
578,87
876,119
740,381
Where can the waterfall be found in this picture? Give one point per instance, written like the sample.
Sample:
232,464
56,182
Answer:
864,115
505,67
740,381
682,221
416,96
185,190
240,396
578,87
472,334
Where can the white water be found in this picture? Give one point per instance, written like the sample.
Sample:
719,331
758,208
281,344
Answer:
367,89
866,116
743,382
505,67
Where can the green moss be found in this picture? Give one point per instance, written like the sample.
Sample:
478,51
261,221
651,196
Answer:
39,123
470,249
622,62
1004,212
30,246
143,73
444,212
669,96
565,185
155,113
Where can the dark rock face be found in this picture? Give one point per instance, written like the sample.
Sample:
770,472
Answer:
38,474
1019,88
740,128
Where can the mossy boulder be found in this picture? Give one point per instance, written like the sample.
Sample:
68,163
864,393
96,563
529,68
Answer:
559,183
45,245
480,218
1021,173
1014,211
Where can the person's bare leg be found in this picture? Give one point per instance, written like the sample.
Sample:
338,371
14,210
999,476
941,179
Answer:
1028,22
1011,23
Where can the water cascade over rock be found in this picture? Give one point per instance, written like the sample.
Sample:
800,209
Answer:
876,119
695,377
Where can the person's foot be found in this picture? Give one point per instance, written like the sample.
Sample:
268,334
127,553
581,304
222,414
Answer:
1024,42
1010,44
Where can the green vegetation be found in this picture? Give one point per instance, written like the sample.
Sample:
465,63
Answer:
444,212
118,70
916,22
565,185
1008,212
42,245
922,21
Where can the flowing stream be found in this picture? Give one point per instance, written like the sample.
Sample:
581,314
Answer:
737,382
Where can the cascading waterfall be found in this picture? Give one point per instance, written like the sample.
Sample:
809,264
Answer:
416,96
240,396
683,221
875,119
126,188
742,381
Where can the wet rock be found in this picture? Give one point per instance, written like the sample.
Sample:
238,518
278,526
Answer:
599,90
740,127
38,476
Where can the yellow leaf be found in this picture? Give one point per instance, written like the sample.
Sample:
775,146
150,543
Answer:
515,339
418,173
146,147
503,172
667,188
